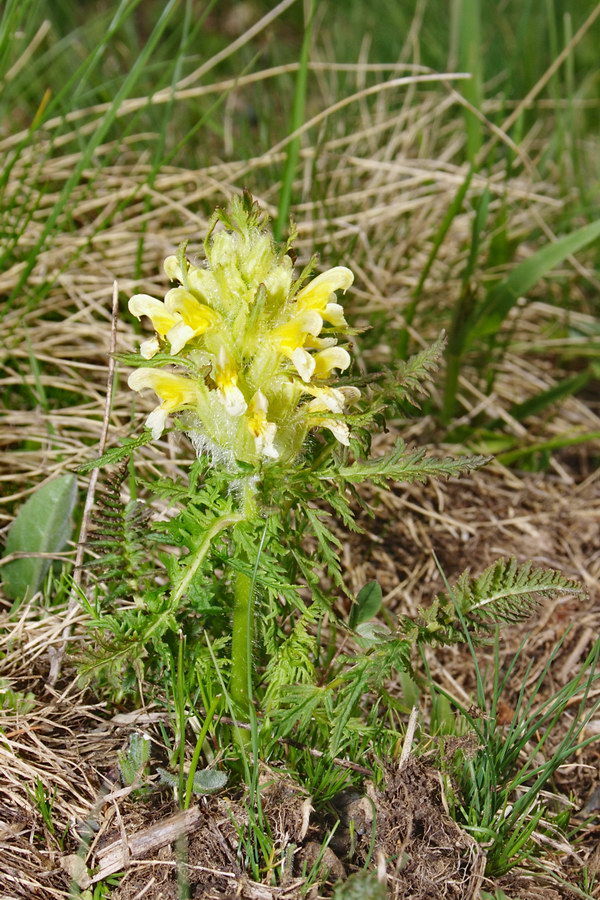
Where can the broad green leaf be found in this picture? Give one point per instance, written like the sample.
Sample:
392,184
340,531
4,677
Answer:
43,525
208,780
368,604
501,299
372,633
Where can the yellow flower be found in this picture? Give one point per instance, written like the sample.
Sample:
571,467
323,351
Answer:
289,340
317,295
262,431
162,320
195,318
338,428
180,319
175,391
263,374
226,378
333,400
329,359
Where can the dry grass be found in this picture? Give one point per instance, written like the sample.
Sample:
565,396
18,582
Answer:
386,177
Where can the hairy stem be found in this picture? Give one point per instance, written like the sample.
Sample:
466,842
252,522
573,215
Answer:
243,625
241,643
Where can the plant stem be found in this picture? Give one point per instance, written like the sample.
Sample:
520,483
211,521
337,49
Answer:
241,643
243,625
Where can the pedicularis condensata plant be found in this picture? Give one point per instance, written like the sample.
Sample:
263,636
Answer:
251,360
257,346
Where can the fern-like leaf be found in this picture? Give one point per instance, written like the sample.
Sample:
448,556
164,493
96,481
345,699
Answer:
509,592
117,454
403,465
118,535
413,376
505,592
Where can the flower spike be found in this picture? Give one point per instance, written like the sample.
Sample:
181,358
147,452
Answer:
258,373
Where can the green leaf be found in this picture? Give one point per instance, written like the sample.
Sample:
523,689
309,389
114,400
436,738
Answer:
508,591
361,886
368,604
404,466
205,782
209,780
116,454
501,299
43,525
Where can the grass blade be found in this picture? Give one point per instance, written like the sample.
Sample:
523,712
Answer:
297,120
501,299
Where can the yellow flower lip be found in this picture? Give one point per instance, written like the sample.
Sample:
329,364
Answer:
175,391
289,339
226,379
145,305
180,318
329,359
321,290
262,430
316,294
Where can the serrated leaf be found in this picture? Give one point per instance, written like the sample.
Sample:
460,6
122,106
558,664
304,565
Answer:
404,466
367,605
116,454
507,591
43,525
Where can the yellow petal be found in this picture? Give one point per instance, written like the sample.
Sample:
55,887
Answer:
334,314
174,390
172,269
226,378
149,348
262,430
329,359
316,294
338,429
180,335
304,363
293,333
156,421
145,305
195,314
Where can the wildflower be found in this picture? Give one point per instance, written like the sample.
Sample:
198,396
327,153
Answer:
261,430
264,374
290,338
329,359
179,319
226,378
318,293
175,391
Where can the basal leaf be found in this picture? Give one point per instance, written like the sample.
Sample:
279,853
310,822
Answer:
368,604
43,525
